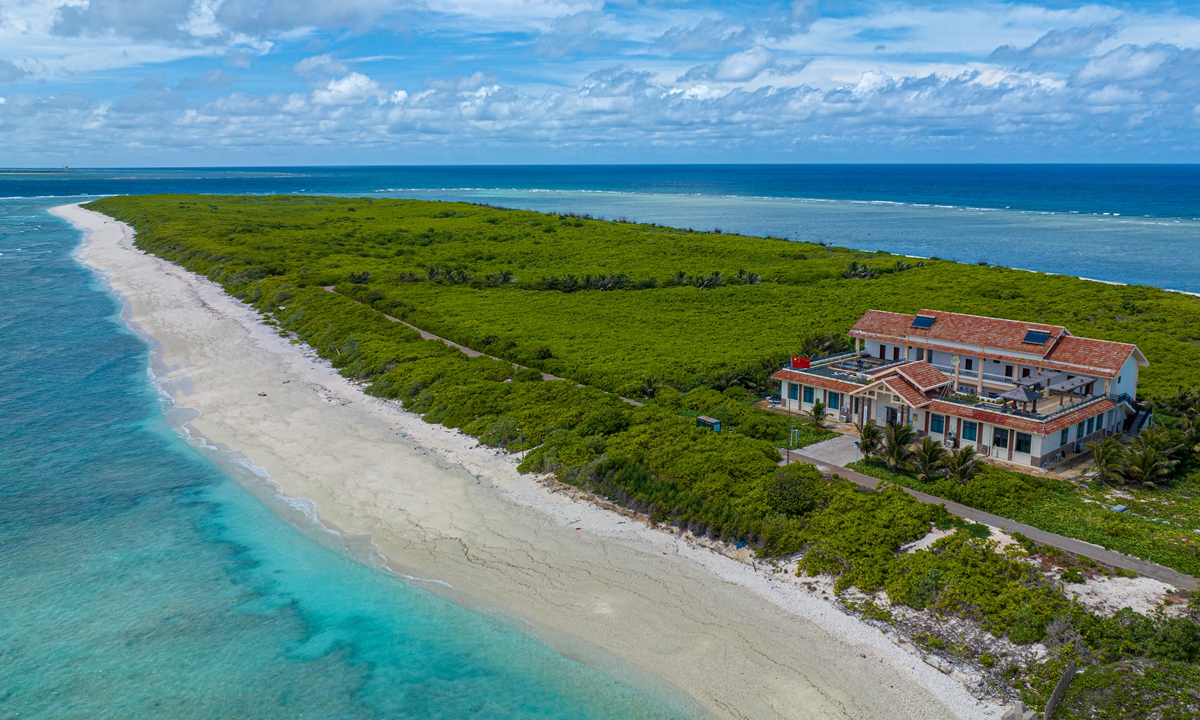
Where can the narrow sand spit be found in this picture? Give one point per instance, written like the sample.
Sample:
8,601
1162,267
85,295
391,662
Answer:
439,507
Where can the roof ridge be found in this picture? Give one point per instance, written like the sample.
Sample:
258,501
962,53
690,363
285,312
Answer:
992,317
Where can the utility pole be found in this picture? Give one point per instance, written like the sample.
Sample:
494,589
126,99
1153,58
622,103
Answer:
791,437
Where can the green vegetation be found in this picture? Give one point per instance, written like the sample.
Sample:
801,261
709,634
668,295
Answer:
1159,525
694,324
1163,511
443,266
1131,666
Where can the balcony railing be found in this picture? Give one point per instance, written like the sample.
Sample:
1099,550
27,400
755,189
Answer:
831,358
965,374
851,364
997,405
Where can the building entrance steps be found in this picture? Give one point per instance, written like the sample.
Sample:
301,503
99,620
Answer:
1071,545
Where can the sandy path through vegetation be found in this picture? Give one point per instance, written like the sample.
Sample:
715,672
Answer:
738,641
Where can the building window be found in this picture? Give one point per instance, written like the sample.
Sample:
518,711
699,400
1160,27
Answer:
1024,372
1000,437
835,401
882,351
970,431
808,394
1024,443
969,364
896,353
1091,425
1008,369
920,354
937,423
794,391
1079,432
1064,437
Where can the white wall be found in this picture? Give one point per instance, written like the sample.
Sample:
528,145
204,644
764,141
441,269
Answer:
818,394
1126,380
872,346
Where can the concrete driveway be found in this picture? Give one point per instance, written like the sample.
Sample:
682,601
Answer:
838,451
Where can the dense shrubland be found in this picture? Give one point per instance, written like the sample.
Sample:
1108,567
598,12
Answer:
699,332
710,304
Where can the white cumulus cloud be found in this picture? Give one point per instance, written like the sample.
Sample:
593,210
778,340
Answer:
745,65
353,89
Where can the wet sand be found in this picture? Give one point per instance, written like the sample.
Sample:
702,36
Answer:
440,508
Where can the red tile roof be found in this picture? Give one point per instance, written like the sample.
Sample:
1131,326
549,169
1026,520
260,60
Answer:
923,376
1061,350
1106,358
906,391
957,327
799,376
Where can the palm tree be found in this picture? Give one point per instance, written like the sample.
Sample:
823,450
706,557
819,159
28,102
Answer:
817,413
869,438
725,379
1146,462
1108,456
821,344
1189,428
928,460
649,386
1162,440
962,464
896,440
854,271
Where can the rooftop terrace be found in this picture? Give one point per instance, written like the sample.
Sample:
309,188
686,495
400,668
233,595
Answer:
861,370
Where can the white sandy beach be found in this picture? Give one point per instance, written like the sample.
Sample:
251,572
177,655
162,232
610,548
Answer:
740,642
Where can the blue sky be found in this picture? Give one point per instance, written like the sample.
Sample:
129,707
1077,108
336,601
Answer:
246,82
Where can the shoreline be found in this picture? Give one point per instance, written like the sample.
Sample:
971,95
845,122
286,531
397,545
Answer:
441,508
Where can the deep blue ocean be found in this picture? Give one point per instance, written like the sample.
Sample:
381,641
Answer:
141,576
1137,224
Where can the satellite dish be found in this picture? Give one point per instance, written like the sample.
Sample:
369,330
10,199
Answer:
954,360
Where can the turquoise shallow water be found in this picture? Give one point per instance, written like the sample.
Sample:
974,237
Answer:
139,578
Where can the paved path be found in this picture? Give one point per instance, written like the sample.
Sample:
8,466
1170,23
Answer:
840,450
1071,545
461,348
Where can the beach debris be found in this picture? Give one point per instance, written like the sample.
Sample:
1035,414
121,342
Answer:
1018,712
262,394
1118,508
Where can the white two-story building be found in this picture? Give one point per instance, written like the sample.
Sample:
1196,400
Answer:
1024,392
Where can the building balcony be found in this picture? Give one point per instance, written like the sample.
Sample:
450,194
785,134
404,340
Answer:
964,374
1049,407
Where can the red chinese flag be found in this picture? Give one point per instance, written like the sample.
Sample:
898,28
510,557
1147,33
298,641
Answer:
799,363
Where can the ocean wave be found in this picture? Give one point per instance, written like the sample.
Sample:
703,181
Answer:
768,198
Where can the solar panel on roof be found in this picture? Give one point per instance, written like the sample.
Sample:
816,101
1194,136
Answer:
1036,337
923,322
